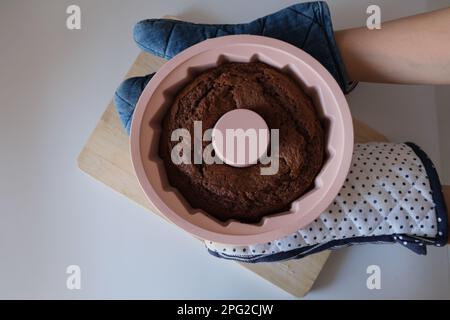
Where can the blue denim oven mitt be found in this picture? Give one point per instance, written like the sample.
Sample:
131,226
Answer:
305,25
376,209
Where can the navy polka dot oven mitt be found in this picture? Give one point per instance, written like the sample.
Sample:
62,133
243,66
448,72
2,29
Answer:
392,193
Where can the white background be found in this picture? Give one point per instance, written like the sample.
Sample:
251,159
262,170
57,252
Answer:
54,86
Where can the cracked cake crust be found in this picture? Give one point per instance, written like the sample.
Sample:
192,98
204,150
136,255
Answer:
226,192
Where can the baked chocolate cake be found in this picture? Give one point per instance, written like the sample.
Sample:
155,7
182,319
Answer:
227,192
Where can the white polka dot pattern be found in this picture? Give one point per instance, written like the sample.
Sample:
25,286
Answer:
387,192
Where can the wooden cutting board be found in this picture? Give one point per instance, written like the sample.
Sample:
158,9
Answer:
106,158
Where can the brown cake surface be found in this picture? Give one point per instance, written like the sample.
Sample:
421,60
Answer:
227,192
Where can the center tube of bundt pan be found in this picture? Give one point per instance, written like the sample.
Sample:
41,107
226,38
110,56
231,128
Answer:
240,138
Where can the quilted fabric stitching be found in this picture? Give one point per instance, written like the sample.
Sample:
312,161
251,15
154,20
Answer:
307,34
127,119
303,14
401,201
263,29
335,63
414,184
168,43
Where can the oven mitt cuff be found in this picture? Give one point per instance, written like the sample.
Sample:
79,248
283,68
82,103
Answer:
306,25
392,195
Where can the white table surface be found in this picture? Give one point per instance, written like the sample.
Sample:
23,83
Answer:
54,86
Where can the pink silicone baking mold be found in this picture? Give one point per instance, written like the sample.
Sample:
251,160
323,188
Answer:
157,96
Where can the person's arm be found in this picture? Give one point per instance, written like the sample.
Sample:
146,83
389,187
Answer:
412,50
